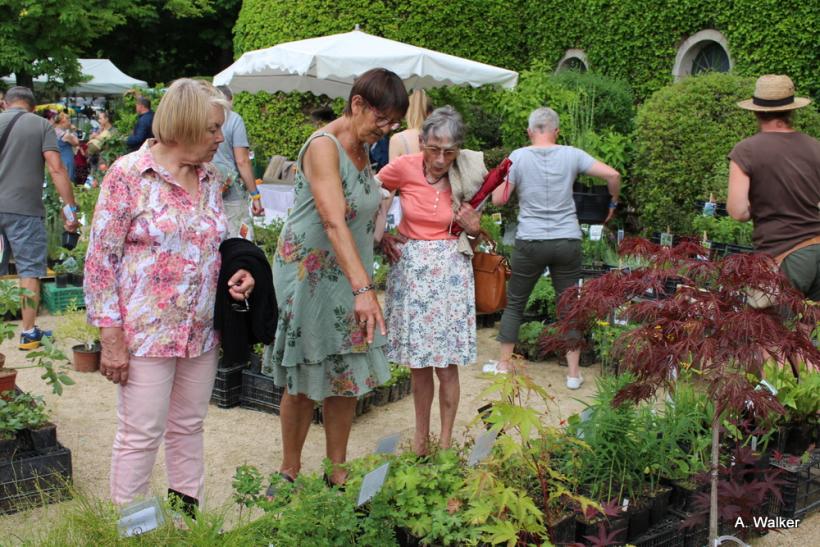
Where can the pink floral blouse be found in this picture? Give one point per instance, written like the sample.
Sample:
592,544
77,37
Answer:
153,258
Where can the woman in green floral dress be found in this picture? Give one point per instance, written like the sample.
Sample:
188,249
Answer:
331,330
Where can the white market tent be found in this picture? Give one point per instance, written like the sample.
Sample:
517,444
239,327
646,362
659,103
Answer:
106,79
329,64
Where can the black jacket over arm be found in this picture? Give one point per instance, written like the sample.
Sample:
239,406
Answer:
241,330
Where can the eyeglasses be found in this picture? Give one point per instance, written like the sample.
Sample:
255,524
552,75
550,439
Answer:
382,120
449,153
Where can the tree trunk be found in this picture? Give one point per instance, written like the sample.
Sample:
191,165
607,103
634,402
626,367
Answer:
713,498
25,79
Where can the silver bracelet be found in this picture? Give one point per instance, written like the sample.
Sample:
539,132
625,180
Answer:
357,292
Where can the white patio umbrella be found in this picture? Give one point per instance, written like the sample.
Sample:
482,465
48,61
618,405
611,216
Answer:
328,65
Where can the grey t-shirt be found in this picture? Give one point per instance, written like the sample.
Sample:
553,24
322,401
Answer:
22,164
543,178
235,137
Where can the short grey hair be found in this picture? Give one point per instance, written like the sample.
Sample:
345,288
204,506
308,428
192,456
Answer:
20,94
442,123
543,119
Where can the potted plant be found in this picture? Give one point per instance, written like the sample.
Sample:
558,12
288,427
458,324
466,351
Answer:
62,276
74,326
541,304
24,425
707,326
800,395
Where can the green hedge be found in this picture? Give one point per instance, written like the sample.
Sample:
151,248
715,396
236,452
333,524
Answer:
488,31
637,40
683,135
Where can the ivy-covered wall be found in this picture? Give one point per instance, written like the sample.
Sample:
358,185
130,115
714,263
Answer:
638,39
635,40
487,30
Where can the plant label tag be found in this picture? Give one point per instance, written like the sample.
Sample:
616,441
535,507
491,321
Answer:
709,208
767,385
666,239
387,445
585,414
497,218
372,483
620,235
754,443
595,232
141,517
625,504
546,272
482,447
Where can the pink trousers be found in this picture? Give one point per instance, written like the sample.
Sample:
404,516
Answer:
164,398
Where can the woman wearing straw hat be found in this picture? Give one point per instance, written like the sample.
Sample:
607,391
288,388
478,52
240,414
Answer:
774,180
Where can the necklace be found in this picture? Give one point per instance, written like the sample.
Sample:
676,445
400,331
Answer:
427,179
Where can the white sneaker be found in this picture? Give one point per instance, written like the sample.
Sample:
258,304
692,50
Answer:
491,367
574,383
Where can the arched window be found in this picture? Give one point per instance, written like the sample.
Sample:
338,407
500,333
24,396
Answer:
705,51
573,59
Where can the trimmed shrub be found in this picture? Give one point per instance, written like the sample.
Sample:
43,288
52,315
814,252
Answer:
683,135
279,123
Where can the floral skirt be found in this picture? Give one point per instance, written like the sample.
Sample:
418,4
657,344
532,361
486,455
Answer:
430,306
345,375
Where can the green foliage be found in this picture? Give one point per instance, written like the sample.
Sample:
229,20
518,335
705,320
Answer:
480,109
74,325
611,469
638,40
277,123
542,298
172,39
267,237
613,98
11,299
799,395
722,229
488,31
53,362
21,411
46,36
604,336
682,133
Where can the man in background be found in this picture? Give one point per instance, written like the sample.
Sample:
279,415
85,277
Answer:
233,161
142,131
28,143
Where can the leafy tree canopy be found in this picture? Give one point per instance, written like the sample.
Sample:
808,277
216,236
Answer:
45,37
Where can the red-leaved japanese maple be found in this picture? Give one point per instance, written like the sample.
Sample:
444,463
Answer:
707,324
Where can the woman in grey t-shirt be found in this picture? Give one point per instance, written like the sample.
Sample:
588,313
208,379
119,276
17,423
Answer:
548,233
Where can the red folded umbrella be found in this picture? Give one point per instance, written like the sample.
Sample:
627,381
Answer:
492,181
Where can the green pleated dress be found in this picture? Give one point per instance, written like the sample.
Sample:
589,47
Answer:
320,349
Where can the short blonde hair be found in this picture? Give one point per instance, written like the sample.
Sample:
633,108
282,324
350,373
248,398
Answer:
418,110
182,114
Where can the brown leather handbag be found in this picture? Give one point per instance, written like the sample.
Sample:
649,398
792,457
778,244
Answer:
491,272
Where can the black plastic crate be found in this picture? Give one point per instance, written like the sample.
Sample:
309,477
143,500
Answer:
227,398
35,480
664,534
800,489
260,393
229,377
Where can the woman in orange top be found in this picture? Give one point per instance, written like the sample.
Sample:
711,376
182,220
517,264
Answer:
430,301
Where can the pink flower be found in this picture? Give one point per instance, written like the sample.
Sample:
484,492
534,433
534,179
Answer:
313,262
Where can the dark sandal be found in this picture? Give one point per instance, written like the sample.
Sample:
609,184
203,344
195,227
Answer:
270,493
331,484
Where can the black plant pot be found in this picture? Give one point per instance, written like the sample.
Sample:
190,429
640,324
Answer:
7,448
619,525
62,280
591,203
77,279
638,520
381,396
562,530
69,240
394,393
659,507
43,438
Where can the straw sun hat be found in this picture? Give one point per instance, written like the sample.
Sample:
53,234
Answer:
774,93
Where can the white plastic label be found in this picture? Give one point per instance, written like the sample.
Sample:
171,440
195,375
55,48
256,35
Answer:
595,232
372,483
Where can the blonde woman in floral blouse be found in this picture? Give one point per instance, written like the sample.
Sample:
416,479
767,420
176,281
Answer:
150,285
331,331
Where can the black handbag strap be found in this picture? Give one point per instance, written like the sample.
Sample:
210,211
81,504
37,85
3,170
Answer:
5,136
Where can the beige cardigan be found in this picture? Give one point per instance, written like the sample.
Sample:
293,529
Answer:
466,177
